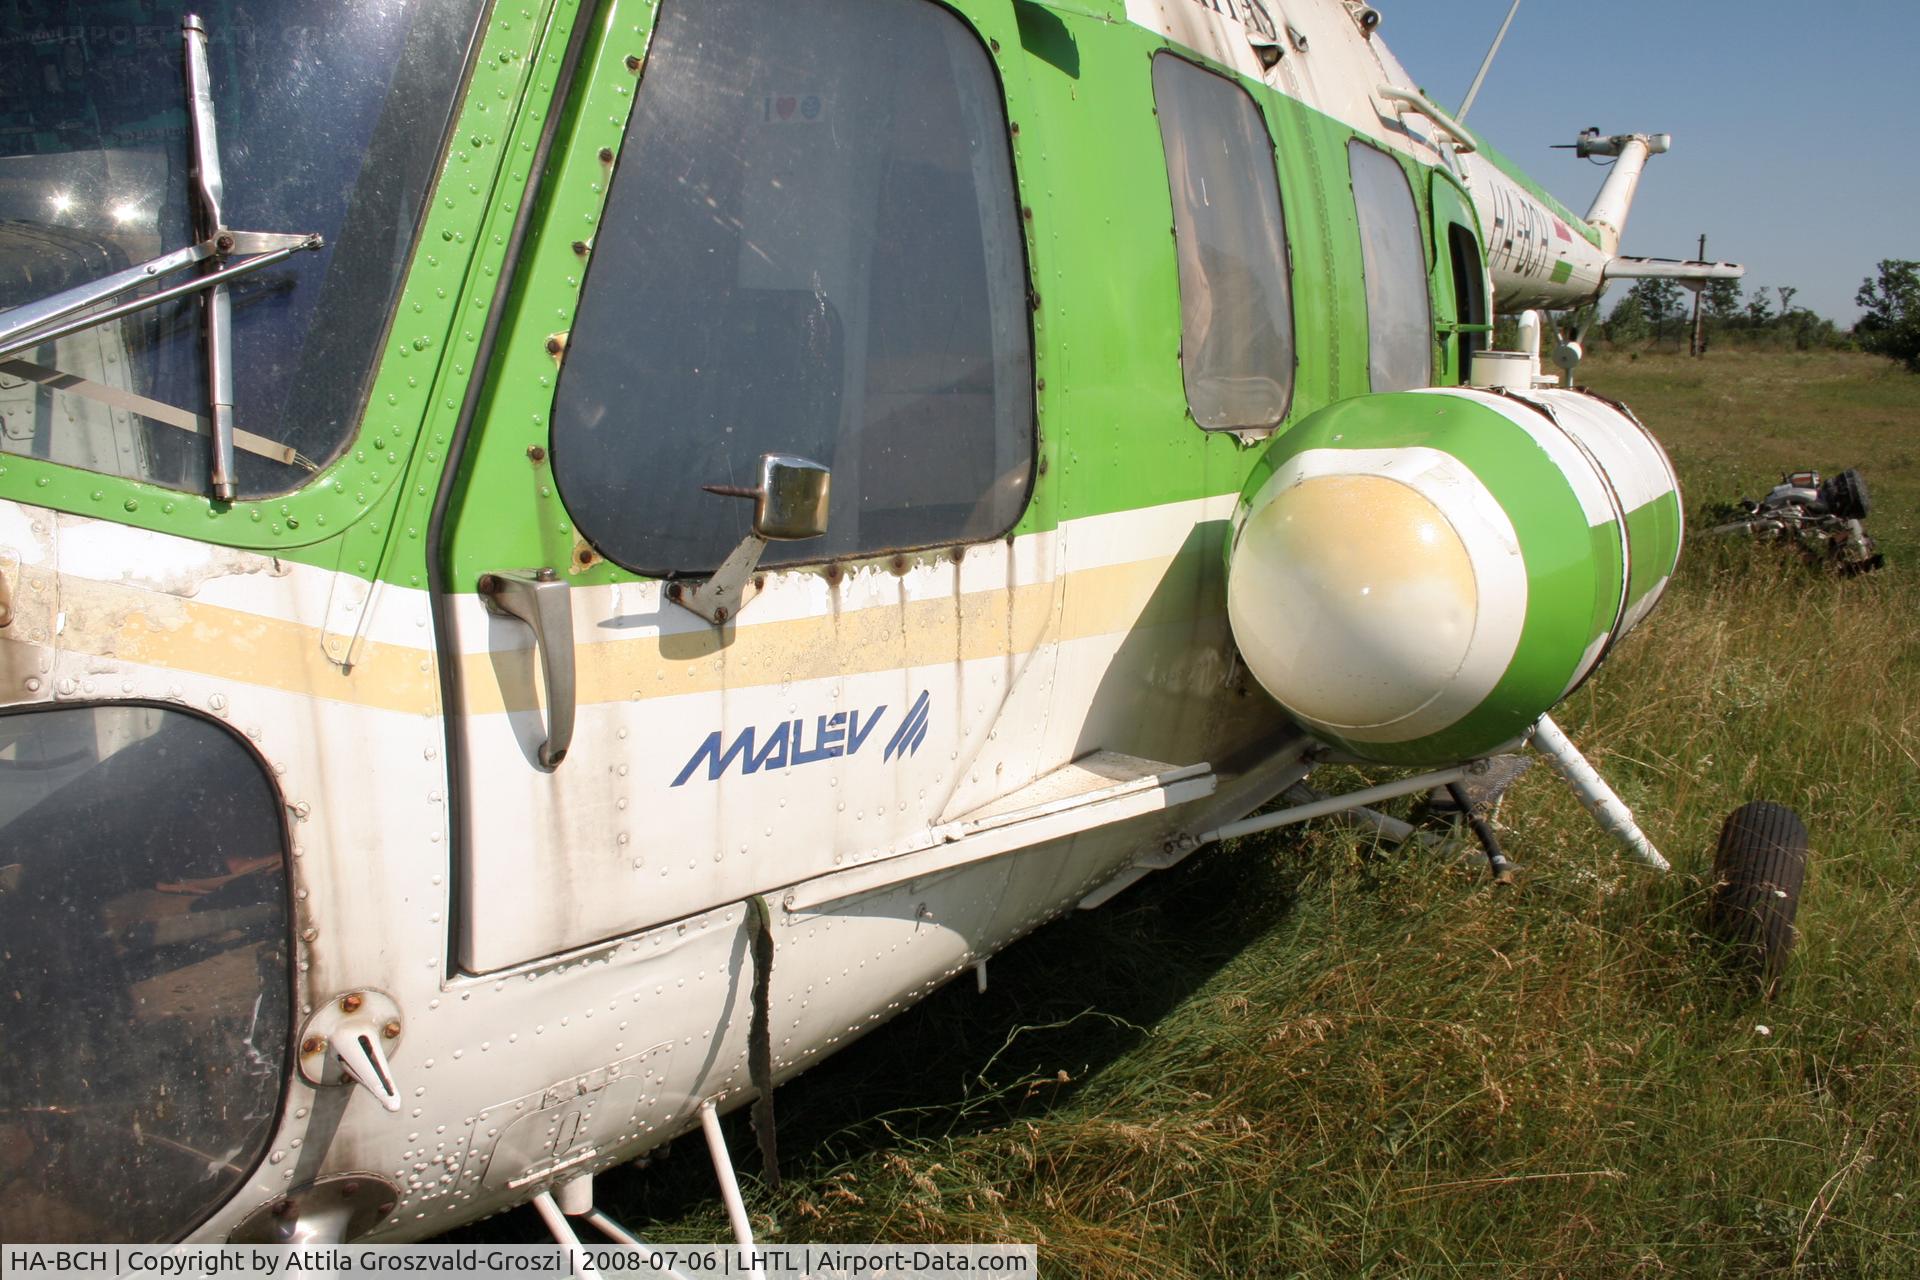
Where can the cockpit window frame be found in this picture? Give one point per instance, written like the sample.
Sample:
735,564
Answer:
422,367
298,347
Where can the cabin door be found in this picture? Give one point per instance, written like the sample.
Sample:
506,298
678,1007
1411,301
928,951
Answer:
1461,286
790,230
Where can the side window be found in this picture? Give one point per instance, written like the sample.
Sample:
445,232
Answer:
143,962
812,246
1236,308
1399,315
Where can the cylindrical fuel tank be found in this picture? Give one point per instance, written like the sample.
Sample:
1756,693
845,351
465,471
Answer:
1416,577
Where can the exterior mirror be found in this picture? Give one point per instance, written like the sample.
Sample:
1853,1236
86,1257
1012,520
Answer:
789,505
792,502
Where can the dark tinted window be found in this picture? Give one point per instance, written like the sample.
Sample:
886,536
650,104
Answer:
1399,316
1236,313
330,117
812,247
144,992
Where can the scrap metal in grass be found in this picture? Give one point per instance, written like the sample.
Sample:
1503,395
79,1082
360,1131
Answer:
1822,519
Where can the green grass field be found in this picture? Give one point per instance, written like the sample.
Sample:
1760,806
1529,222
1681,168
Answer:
1302,1055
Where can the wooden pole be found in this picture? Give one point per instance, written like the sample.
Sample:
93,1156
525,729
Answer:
1699,335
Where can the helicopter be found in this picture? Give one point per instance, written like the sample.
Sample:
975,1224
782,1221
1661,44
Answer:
560,561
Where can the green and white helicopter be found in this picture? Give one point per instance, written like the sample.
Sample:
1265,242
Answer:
561,560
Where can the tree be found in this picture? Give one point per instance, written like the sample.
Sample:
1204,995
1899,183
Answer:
1890,312
1723,300
1759,310
1627,322
1646,311
1807,329
1659,302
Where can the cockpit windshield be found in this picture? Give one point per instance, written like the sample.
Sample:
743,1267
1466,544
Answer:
331,116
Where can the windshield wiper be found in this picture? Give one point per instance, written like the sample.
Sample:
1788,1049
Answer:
222,254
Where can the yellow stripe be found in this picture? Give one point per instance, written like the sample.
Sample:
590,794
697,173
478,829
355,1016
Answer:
152,629
918,633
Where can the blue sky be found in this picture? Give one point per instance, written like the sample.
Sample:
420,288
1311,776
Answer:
1792,123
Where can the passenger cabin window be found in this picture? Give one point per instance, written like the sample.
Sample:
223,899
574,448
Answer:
1236,309
1399,315
812,246
330,116
146,1001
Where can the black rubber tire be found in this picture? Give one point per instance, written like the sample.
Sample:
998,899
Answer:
1758,872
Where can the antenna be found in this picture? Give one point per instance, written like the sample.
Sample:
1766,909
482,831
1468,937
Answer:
1474,90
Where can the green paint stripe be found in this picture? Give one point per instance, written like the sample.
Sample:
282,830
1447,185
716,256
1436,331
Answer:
1609,568
1562,272
1653,532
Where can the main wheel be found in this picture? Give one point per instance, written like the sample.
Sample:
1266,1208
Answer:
1758,872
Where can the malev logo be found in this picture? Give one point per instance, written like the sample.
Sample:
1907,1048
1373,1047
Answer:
791,743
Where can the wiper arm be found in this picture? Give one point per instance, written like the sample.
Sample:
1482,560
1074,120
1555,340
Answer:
37,322
208,191
29,318
68,311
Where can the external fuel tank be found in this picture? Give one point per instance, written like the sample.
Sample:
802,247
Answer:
1418,576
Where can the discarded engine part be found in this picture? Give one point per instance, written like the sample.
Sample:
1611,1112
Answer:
1821,519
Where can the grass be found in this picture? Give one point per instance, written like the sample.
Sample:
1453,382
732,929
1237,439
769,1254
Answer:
1301,1055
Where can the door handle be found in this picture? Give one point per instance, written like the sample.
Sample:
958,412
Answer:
538,598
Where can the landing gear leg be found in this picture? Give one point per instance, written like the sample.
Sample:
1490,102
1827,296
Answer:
575,1200
563,1234
723,1172
1599,799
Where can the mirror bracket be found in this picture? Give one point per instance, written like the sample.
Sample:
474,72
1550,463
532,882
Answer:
720,598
